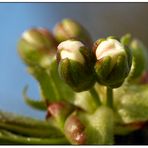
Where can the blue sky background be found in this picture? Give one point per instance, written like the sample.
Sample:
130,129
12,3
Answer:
101,19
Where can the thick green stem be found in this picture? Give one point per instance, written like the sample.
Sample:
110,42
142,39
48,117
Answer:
109,99
95,96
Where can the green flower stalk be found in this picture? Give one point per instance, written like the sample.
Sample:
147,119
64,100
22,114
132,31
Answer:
70,29
113,62
36,45
75,65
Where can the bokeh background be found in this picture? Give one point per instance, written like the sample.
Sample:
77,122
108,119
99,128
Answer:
101,19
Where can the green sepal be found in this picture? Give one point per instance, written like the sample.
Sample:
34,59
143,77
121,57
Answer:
102,68
129,55
126,39
118,73
75,75
89,58
112,77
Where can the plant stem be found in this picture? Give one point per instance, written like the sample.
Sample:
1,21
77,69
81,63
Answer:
95,96
109,93
46,83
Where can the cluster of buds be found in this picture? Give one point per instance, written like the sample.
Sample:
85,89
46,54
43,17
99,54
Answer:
111,62
70,54
78,65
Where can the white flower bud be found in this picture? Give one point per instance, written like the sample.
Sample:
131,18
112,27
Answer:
113,62
75,65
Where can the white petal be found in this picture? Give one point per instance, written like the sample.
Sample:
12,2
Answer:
110,47
70,49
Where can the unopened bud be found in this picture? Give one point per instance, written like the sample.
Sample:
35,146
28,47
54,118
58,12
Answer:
75,65
74,130
113,62
70,29
36,45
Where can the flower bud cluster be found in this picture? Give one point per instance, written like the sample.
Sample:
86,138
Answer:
77,66
80,64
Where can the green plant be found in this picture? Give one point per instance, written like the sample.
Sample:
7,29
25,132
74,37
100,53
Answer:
90,92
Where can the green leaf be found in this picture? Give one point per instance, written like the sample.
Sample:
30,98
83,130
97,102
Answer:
36,104
11,118
7,137
31,131
27,126
131,103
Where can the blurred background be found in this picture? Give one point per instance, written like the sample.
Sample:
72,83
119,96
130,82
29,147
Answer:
101,19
